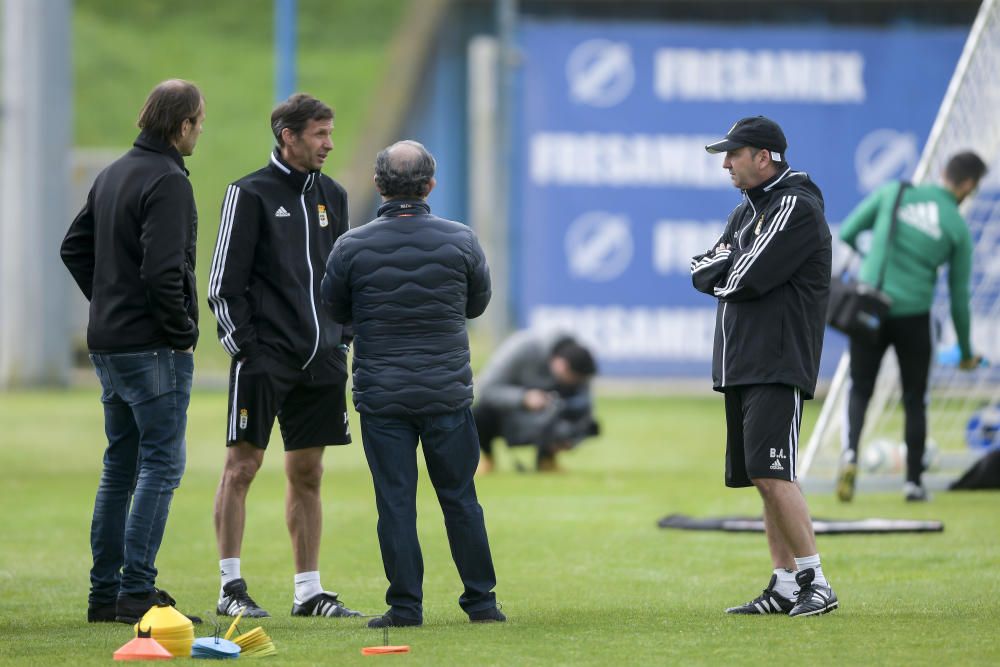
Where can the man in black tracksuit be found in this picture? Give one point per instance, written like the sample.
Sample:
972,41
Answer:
288,355
408,280
770,271
131,250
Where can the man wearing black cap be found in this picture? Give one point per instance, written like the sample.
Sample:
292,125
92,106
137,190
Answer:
770,271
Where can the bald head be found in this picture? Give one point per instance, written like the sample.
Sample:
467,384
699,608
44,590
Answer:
404,170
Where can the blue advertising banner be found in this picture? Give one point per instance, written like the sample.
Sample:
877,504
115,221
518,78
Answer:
614,193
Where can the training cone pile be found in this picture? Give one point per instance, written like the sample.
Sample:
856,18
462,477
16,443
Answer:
170,628
255,643
143,647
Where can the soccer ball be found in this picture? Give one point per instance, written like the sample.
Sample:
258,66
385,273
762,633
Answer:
889,456
983,430
883,455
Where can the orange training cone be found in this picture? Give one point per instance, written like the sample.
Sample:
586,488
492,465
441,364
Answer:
143,647
382,650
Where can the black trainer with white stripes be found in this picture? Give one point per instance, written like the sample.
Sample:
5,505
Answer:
768,602
770,271
323,604
234,597
812,598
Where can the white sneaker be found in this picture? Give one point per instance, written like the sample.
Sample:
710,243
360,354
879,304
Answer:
915,493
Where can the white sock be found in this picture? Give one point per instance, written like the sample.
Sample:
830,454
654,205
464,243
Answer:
229,568
812,562
785,585
306,586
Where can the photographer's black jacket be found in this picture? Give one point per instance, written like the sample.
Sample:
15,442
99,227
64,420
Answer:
773,284
131,249
278,226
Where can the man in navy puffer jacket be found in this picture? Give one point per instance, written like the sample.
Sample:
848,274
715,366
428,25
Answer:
408,280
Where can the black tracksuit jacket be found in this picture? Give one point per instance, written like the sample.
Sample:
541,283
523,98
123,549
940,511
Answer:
131,249
278,226
773,284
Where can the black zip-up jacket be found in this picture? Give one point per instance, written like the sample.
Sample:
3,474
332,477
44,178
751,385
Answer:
131,249
408,280
278,227
773,284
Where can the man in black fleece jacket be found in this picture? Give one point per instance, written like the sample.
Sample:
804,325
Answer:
131,250
408,280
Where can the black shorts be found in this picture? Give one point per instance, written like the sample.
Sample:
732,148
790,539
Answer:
762,432
310,405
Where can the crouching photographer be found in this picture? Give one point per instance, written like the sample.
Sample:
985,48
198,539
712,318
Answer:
535,391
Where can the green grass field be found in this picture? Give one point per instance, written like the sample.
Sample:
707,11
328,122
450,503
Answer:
584,574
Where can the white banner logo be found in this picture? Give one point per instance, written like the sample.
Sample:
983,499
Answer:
884,155
600,72
599,246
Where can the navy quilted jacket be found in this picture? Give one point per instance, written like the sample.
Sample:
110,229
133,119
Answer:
408,280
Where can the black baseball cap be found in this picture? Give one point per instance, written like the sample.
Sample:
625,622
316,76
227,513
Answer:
756,131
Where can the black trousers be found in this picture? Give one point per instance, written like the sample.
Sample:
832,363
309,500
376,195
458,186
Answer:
487,426
451,451
911,338
567,426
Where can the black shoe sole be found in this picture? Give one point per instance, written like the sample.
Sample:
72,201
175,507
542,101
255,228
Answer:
819,612
355,615
264,615
394,624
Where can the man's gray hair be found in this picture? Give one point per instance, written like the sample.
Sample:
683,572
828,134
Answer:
404,169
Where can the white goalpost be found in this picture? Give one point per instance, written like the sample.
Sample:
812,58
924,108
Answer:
968,119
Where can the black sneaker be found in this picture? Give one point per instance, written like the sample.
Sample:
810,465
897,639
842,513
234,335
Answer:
768,602
130,608
812,598
323,604
491,615
234,597
390,620
104,613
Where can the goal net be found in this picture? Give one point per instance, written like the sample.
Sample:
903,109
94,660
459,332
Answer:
969,119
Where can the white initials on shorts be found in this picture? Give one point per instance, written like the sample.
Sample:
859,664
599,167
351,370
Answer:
777,453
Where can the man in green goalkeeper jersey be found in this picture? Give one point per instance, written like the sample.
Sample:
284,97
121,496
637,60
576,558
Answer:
930,233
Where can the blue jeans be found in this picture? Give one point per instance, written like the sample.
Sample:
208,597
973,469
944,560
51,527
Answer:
145,397
451,451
